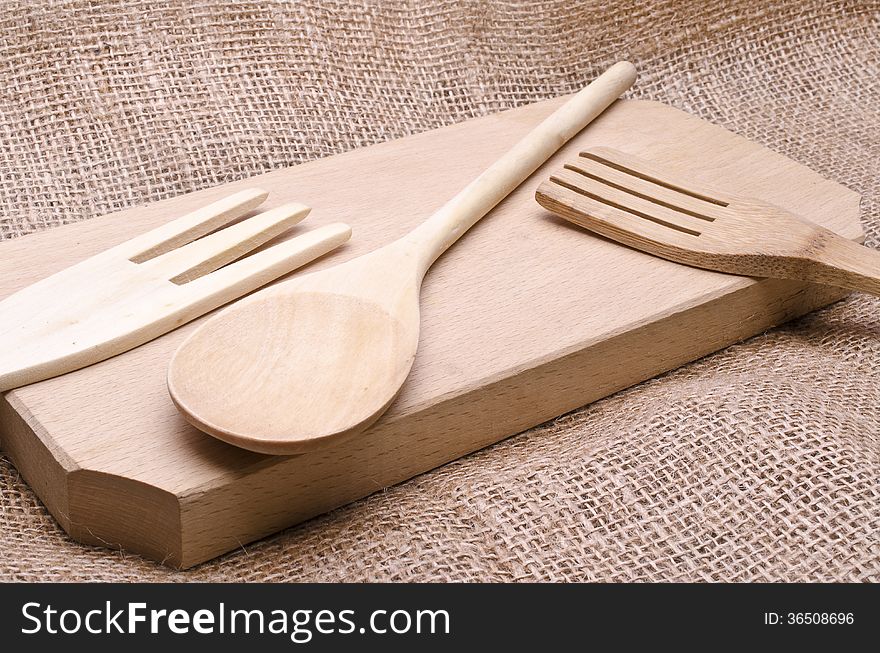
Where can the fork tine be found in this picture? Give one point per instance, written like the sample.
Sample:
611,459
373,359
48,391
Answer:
258,269
191,226
606,220
623,200
221,247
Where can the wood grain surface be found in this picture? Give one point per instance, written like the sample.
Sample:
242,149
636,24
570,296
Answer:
526,318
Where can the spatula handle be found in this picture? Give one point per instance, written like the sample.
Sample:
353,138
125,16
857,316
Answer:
458,215
846,264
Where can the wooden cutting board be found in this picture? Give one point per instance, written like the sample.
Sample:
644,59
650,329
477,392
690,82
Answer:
527,317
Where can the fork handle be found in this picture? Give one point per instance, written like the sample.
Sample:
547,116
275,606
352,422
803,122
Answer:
447,225
840,262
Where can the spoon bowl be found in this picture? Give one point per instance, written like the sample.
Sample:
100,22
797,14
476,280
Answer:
302,333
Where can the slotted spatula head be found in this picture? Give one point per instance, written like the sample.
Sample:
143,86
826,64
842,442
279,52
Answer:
151,284
634,202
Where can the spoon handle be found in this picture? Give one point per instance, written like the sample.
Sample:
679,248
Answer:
460,213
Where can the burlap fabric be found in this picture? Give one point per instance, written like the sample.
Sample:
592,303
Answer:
759,463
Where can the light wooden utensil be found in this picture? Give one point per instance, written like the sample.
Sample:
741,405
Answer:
149,285
306,362
627,199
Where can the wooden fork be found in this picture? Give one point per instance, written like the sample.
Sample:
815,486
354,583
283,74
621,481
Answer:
627,199
149,285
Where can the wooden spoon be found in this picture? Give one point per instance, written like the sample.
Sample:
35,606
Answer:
308,361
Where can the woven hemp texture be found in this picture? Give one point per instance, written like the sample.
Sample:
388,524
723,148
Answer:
759,463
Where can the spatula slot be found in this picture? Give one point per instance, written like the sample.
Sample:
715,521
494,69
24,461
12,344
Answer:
652,179
636,193
193,226
621,207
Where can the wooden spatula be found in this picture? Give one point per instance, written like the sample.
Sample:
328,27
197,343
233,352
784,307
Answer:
308,361
627,199
151,284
